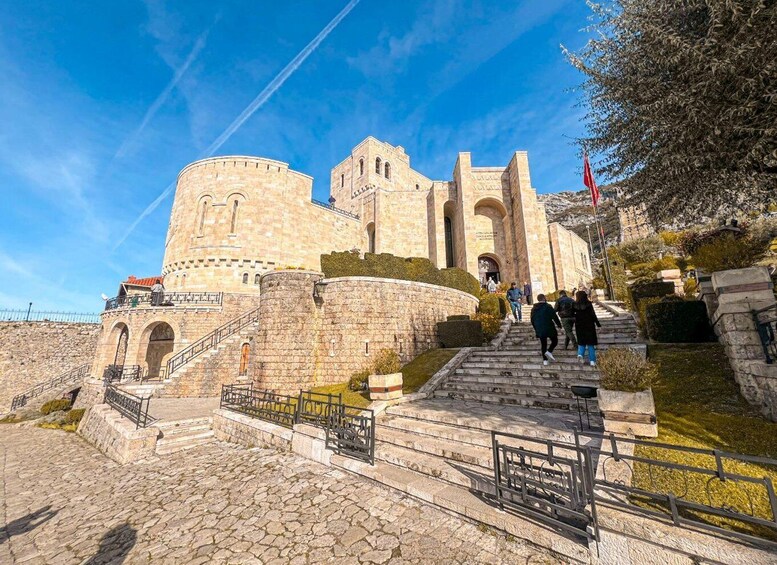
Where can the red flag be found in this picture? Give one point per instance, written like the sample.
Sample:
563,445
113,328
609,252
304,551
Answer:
588,180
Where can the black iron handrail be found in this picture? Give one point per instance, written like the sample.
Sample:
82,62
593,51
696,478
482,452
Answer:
166,299
350,430
128,405
765,321
43,316
210,340
730,495
72,376
122,373
334,209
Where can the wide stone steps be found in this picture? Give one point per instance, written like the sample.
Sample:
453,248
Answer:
184,434
523,368
450,450
526,400
542,381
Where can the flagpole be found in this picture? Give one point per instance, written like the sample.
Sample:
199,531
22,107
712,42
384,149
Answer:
605,258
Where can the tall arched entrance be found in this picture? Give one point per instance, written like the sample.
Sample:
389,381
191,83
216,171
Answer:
245,351
121,346
160,345
488,269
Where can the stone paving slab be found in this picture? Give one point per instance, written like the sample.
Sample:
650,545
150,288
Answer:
167,409
64,502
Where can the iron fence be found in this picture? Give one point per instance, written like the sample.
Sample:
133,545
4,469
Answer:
547,480
350,430
712,487
279,409
44,316
122,373
128,405
334,209
164,299
210,341
766,324
72,376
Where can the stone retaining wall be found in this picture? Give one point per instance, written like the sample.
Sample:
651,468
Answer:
92,392
249,432
306,340
117,436
32,353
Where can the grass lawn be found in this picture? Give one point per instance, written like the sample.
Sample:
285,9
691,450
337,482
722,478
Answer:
698,405
414,375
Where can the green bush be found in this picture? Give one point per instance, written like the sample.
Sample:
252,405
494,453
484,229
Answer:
490,324
642,311
386,362
55,406
678,322
74,416
358,381
552,296
728,251
494,305
387,266
641,250
459,317
460,333
625,370
641,290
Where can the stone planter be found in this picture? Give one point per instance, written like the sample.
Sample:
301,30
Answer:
628,412
385,387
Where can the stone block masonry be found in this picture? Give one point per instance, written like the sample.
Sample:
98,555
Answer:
116,436
32,353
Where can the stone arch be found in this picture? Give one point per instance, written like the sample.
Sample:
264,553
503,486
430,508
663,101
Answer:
378,161
491,236
157,343
449,225
489,266
115,352
387,170
371,237
245,358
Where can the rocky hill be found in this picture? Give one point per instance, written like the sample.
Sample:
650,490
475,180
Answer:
573,210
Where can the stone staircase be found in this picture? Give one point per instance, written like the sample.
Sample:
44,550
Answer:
515,375
180,435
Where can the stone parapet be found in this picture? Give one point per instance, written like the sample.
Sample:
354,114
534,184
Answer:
116,436
249,432
92,392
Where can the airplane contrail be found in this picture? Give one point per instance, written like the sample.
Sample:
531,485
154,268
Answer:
257,103
163,96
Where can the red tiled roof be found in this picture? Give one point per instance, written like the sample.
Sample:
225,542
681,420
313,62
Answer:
146,281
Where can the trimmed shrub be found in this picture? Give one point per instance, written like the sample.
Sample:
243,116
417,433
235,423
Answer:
642,311
678,322
641,250
642,290
386,362
358,381
74,416
490,325
387,266
625,370
494,305
459,317
728,251
460,333
55,406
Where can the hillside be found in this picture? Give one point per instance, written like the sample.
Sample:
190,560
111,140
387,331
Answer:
573,210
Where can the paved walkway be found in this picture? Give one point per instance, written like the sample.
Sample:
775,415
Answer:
167,409
64,502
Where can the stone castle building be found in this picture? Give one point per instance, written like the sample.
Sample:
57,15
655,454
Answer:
239,223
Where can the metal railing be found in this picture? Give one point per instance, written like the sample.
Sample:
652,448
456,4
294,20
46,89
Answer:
551,481
72,376
711,489
128,405
211,340
350,430
164,300
766,323
122,373
334,209
279,409
43,316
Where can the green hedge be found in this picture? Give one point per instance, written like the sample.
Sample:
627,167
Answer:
387,266
459,317
460,333
494,304
678,322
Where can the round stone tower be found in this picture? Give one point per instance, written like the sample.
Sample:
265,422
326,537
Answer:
229,223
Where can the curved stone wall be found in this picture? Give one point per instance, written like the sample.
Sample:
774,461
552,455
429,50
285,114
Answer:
234,218
305,341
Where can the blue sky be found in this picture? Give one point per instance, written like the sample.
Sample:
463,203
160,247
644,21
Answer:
102,103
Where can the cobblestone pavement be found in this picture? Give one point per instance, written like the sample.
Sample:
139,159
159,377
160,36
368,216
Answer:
64,502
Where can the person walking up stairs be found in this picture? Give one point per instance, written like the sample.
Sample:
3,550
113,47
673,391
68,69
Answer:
586,323
544,320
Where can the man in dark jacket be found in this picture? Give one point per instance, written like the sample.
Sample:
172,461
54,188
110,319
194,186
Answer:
545,321
565,308
514,298
527,291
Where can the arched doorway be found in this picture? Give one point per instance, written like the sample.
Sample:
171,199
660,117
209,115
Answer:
121,345
371,237
245,351
160,345
488,269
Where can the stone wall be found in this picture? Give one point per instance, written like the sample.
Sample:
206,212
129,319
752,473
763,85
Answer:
35,352
92,392
571,258
739,293
249,432
305,341
116,436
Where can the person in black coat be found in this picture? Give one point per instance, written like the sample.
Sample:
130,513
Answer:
586,323
544,320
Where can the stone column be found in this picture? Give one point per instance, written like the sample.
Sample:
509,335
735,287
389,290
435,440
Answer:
287,331
739,293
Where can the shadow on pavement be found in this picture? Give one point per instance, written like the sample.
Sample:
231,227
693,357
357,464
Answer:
115,544
27,523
